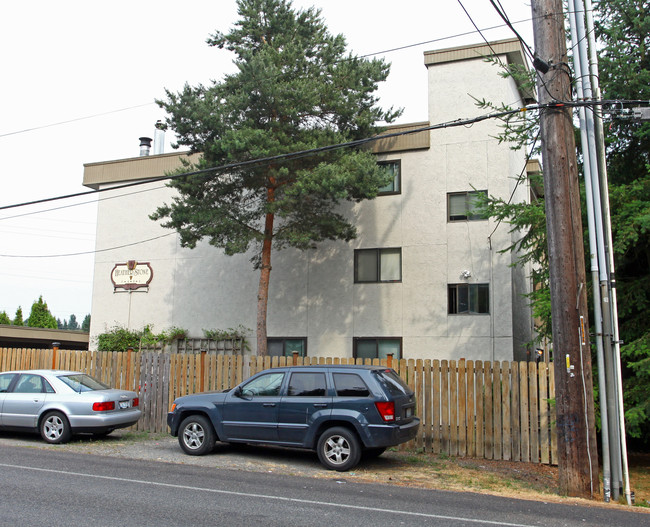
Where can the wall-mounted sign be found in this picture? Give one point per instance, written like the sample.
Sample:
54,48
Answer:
131,275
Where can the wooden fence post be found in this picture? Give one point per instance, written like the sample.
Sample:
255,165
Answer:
55,348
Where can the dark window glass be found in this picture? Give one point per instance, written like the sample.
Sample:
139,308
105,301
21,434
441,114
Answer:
468,299
307,384
463,206
284,347
378,265
377,348
350,385
394,168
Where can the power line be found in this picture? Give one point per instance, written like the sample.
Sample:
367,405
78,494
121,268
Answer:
75,120
327,148
295,155
87,252
391,50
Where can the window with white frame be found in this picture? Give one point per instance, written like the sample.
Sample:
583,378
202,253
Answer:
395,168
378,265
468,299
463,206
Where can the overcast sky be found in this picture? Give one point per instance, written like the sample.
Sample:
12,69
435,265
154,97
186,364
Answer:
97,68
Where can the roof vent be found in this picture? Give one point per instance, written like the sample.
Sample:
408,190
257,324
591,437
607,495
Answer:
145,146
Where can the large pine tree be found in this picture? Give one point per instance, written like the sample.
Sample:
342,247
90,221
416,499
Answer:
296,88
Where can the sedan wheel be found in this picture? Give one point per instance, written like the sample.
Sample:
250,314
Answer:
339,449
196,435
55,428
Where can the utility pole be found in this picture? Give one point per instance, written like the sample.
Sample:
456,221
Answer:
577,449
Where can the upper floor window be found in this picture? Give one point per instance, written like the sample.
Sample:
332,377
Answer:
377,348
463,206
284,347
378,265
468,299
395,168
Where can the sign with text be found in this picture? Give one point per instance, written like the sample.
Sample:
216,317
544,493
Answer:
131,275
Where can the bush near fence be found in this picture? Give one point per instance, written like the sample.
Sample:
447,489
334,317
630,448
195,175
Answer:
491,410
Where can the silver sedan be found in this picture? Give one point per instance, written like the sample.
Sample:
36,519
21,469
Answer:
59,403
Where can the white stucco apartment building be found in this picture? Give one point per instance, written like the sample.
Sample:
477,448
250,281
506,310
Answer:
423,279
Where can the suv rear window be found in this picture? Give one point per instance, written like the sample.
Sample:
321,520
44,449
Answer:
350,385
392,382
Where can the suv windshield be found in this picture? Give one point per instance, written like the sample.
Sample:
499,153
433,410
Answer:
392,382
83,383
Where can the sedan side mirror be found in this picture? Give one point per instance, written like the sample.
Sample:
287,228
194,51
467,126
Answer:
238,392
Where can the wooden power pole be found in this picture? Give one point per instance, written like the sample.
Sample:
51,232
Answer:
577,451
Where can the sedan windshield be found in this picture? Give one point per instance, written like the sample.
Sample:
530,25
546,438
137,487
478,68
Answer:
83,383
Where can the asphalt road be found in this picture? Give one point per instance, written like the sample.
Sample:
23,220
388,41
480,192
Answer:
61,488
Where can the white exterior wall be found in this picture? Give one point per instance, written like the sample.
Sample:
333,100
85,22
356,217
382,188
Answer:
312,293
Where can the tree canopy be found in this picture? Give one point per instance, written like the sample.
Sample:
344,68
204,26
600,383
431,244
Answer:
296,89
40,316
18,318
623,29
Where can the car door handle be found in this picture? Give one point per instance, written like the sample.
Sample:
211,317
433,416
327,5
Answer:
268,404
320,405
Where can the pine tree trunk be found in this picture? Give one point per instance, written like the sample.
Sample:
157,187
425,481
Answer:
263,289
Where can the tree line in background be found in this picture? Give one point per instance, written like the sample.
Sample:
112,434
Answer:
40,317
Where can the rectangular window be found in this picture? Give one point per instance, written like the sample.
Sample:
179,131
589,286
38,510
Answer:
395,168
350,385
469,299
463,206
284,347
377,348
307,384
378,265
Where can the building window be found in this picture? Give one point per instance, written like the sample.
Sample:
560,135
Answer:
377,348
395,168
463,206
469,299
284,347
378,265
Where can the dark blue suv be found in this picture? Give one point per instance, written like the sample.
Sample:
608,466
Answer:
342,412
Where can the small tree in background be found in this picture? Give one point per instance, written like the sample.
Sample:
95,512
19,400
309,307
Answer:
18,319
72,323
85,325
4,318
40,316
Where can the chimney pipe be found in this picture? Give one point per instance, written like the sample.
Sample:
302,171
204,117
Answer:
145,146
159,138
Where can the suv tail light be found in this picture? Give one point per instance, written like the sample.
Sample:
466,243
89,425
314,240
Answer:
136,402
103,407
386,410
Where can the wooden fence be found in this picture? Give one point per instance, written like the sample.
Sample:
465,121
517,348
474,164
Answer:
491,410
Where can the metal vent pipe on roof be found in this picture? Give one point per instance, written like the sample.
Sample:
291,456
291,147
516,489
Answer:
145,146
159,138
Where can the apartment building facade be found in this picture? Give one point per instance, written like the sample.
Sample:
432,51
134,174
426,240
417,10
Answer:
425,277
